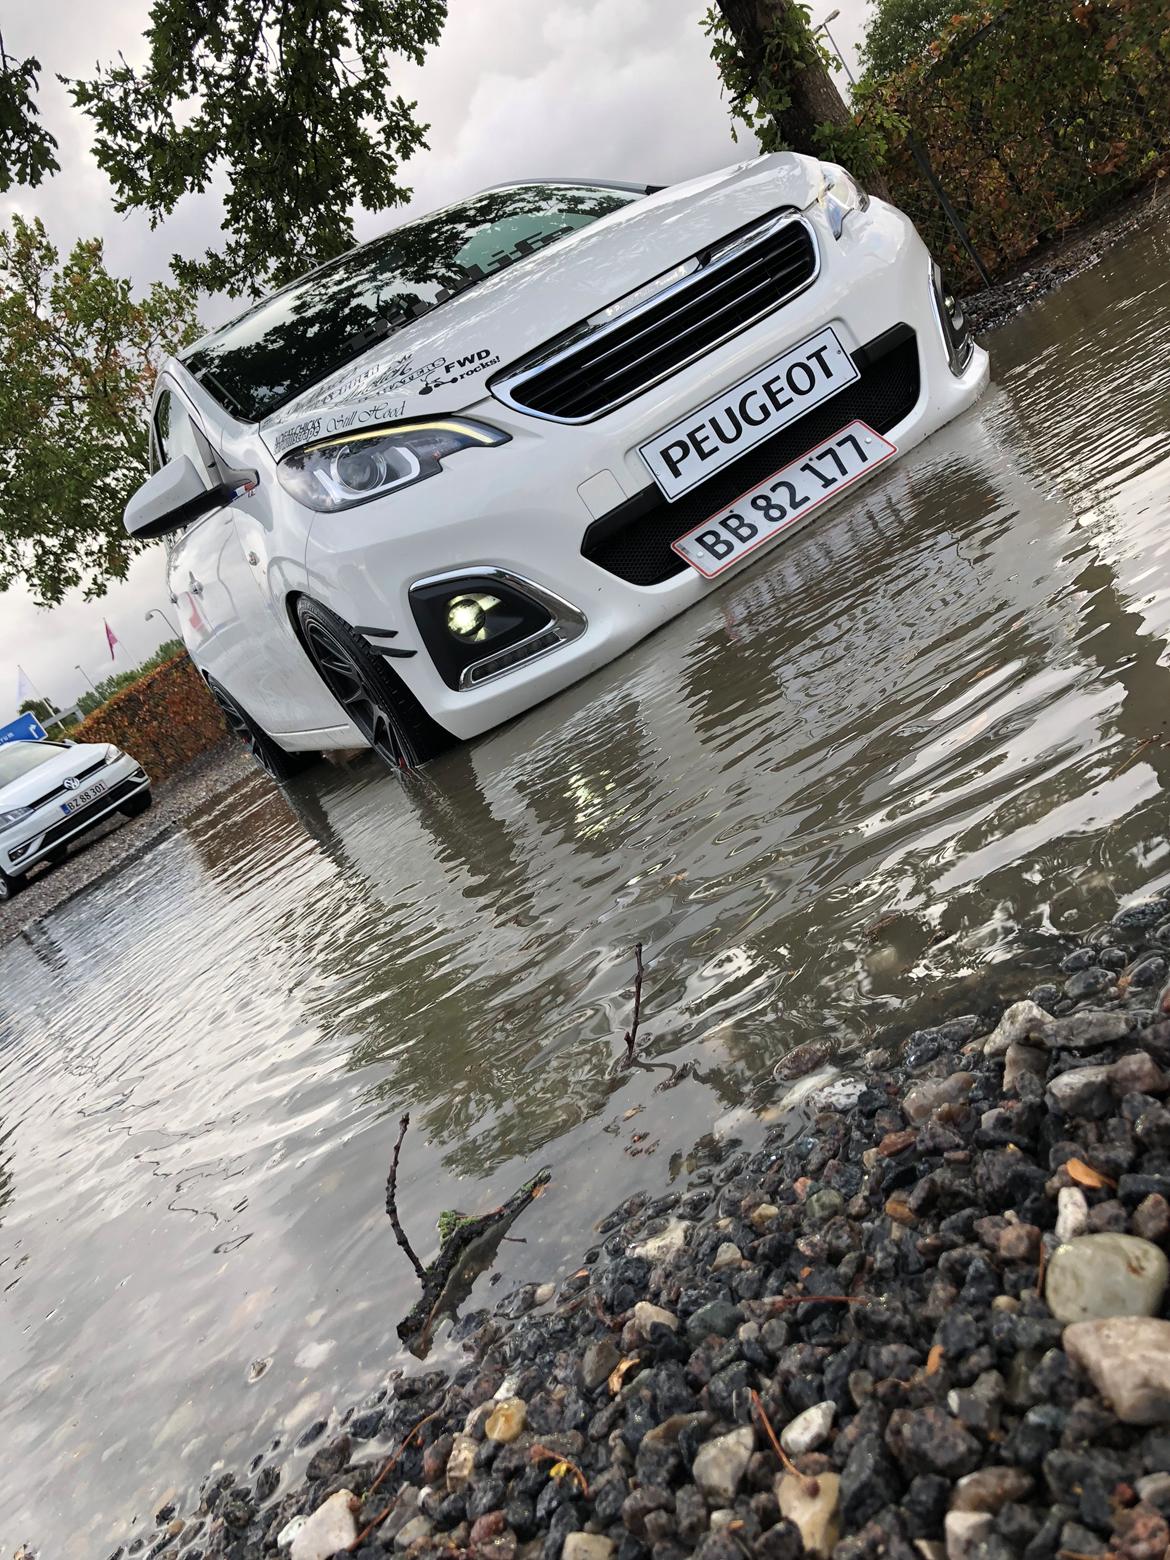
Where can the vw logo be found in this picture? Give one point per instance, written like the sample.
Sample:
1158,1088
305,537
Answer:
74,783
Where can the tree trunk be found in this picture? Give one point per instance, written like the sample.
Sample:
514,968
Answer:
815,99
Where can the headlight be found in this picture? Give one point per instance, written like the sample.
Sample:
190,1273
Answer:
13,815
340,473
112,754
840,195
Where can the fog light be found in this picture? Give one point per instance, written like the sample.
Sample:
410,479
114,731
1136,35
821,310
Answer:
468,620
467,617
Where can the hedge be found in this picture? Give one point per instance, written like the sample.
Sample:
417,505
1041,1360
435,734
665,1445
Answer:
165,719
1036,115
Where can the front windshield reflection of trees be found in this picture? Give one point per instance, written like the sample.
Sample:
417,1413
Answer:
331,316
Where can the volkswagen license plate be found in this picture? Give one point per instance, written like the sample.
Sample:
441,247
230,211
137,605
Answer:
83,798
787,496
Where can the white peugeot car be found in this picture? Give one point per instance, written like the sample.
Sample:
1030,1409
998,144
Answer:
442,477
51,793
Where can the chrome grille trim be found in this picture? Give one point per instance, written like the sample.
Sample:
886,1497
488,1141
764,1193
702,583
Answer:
64,790
716,265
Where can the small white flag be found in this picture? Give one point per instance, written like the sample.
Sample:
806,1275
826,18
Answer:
24,689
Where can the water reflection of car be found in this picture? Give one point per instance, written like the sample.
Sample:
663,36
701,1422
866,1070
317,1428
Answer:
51,793
446,475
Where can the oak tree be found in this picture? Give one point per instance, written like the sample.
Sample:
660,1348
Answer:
284,106
27,150
78,356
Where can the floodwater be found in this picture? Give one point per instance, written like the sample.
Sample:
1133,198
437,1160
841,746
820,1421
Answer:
923,739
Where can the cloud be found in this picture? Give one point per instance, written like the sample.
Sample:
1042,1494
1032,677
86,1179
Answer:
618,89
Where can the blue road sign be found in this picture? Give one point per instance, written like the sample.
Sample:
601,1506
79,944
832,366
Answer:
25,728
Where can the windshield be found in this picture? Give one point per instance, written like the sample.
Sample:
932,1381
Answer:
19,758
337,312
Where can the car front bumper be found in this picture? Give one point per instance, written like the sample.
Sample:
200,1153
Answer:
534,506
47,829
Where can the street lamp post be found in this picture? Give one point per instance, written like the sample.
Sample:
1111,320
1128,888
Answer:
78,667
158,612
844,63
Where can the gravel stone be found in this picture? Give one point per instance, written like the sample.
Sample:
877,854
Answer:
1105,1275
815,1512
1128,1359
721,1465
809,1429
1072,1213
600,1361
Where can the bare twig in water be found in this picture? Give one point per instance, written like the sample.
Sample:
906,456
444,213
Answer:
632,1032
392,1202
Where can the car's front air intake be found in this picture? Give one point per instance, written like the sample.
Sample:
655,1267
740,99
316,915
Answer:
605,361
633,540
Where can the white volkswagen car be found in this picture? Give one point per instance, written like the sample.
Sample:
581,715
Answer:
442,477
51,793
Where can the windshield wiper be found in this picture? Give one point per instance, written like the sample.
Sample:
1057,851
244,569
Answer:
229,400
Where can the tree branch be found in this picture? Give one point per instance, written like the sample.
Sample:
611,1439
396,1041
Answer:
392,1202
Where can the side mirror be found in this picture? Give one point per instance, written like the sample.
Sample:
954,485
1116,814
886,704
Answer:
176,495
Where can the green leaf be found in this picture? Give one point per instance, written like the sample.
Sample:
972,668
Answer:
287,108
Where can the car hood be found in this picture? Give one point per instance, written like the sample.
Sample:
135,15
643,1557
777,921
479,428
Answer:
52,773
442,362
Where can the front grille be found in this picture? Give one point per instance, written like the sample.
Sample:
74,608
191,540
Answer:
116,793
62,790
633,541
577,377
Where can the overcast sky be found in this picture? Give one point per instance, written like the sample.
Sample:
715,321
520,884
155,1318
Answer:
620,89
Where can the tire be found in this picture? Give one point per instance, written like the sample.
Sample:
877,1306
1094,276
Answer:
271,757
137,804
9,886
382,708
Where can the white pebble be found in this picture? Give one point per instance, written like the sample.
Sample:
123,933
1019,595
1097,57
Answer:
808,1429
330,1528
1072,1213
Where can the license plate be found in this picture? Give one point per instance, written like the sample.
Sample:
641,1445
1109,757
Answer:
786,497
705,440
83,798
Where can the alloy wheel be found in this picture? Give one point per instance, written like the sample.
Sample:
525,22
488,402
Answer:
241,727
349,681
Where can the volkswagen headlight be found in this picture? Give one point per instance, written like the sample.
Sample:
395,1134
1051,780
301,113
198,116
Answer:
840,194
13,815
339,473
112,754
